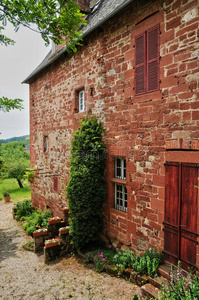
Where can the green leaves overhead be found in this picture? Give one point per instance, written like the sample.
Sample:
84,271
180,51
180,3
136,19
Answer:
7,104
56,20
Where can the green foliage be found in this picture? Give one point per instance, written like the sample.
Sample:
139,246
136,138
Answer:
23,209
147,263
24,139
99,258
16,192
7,104
137,297
181,287
34,218
15,161
56,20
38,219
6,194
86,187
124,260
29,175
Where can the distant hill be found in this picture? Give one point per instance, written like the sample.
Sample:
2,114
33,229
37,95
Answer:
25,139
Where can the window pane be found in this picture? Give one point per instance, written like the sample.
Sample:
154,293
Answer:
81,101
118,172
121,197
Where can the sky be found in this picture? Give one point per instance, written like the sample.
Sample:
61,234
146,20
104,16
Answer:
16,63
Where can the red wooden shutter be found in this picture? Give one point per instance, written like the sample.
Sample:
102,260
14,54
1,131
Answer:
153,59
140,64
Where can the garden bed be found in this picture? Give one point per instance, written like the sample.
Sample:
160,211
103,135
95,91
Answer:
134,268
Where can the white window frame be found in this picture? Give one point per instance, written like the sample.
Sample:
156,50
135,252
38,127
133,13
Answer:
121,199
122,167
81,101
120,188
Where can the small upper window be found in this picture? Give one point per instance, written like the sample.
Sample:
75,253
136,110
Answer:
147,61
55,183
45,143
81,100
120,168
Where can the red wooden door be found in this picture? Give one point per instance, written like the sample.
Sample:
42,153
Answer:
180,221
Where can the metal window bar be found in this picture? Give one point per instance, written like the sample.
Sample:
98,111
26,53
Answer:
121,197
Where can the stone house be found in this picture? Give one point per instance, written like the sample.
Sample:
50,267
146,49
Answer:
138,71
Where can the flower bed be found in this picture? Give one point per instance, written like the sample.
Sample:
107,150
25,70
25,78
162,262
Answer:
51,243
125,264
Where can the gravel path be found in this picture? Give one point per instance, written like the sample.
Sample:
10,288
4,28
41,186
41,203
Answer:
23,274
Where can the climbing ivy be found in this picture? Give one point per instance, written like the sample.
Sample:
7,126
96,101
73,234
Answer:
86,187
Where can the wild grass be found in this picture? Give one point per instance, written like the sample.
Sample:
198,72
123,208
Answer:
16,193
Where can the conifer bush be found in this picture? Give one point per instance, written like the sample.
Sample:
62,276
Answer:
86,187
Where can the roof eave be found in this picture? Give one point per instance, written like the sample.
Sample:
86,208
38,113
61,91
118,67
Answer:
87,32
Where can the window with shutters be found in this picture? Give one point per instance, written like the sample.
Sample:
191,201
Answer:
147,61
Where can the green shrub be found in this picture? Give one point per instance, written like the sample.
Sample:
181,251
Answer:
23,209
124,260
99,257
37,219
34,218
86,187
147,263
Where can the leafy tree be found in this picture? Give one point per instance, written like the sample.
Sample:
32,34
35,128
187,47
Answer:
7,104
56,20
15,161
86,186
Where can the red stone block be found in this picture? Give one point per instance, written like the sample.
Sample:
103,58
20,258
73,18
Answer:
173,23
157,204
159,180
195,115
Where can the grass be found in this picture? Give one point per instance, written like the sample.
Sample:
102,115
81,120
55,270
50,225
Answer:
16,193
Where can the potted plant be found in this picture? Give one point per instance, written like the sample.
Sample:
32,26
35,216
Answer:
6,195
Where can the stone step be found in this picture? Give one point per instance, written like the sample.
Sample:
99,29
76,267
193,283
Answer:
149,291
165,270
159,281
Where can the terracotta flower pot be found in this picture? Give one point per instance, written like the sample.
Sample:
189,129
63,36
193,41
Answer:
39,232
64,230
7,199
51,243
54,220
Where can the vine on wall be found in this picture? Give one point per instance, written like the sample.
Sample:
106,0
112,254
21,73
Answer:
86,187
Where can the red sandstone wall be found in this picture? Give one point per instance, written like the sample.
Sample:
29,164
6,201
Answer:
140,128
